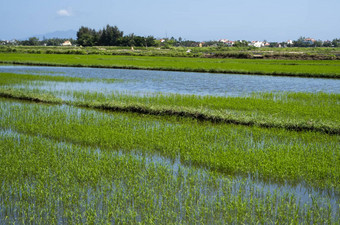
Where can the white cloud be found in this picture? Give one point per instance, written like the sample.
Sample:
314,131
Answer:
64,12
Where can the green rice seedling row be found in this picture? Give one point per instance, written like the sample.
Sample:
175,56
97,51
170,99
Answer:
94,157
276,154
12,78
44,181
304,68
292,111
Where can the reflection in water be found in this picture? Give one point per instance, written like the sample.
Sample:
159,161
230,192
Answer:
144,81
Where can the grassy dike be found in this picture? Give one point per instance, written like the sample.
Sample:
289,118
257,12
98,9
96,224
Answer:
300,68
291,111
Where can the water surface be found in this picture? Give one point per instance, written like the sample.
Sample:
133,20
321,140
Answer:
146,81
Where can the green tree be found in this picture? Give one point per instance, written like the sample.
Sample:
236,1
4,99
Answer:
87,36
110,36
299,42
127,40
140,41
150,41
336,42
242,43
32,41
327,44
318,43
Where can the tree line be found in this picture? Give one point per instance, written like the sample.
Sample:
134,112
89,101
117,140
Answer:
304,42
34,41
111,36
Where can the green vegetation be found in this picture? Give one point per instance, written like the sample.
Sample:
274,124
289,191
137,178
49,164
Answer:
50,182
303,68
114,158
274,154
11,78
292,111
34,41
111,36
204,52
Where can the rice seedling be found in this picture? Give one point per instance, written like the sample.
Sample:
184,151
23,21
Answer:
47,181
303,68
99,157
12,78
276,154
292,111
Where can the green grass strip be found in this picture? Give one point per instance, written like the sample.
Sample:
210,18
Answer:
292,111
300,68
12,78
202,114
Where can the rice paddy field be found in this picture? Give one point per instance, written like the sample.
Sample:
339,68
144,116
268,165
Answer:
300,68
78,148
314,53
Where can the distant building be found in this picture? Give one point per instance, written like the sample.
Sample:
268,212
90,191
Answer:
257,44
67,43
230,43
223,40
289,42
309,41
7,42
227,42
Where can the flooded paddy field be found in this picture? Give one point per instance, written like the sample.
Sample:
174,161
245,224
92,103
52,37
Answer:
144,81
64,163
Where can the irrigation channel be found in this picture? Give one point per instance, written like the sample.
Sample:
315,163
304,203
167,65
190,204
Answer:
63,164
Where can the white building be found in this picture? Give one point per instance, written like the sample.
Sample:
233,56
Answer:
257,44
67,43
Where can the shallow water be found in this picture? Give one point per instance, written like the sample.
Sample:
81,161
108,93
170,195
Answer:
145,81
192,83
303,193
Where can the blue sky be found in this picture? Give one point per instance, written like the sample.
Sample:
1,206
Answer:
199,20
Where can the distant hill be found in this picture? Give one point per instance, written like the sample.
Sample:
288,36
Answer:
57,34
